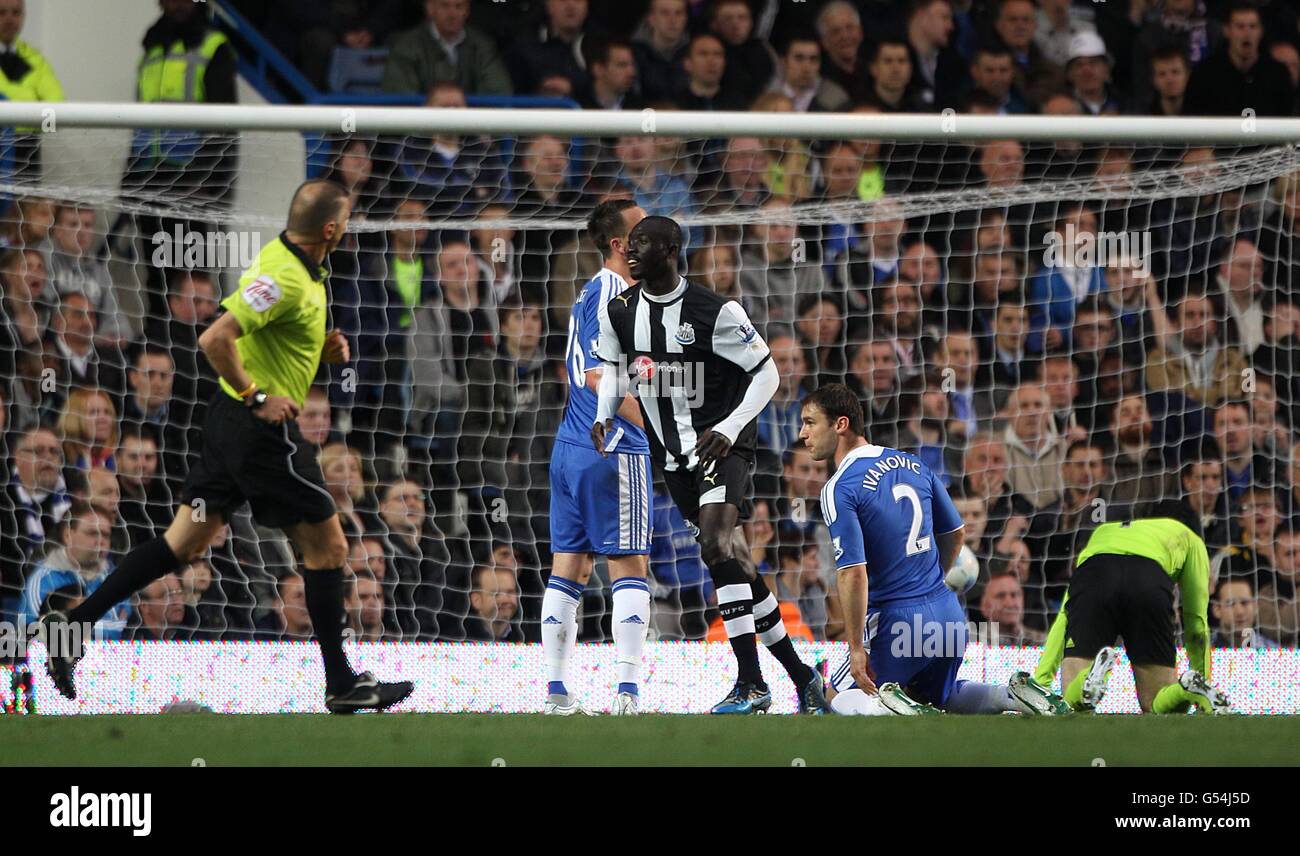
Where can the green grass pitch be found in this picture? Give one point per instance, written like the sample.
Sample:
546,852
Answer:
517,740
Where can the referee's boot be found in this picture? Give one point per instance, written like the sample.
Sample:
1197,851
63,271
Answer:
1034,699
744,698
812,695
369,694
64,648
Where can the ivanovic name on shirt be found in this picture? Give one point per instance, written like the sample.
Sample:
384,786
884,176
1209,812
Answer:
881,468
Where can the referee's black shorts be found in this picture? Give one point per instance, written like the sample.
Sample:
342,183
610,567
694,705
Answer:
246,459
1128,597
730,480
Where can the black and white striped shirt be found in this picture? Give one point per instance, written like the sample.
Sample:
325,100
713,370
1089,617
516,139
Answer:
690,356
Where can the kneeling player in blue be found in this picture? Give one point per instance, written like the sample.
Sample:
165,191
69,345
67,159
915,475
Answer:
895,531
599,505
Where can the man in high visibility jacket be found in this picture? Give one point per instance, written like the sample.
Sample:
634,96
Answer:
186,61
25,75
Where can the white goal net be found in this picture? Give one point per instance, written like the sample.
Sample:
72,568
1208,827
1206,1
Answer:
1065,331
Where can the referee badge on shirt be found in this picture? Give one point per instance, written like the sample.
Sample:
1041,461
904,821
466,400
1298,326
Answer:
685,334
261,294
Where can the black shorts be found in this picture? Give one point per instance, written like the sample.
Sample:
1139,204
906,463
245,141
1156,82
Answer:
731,481
1129,597
245,459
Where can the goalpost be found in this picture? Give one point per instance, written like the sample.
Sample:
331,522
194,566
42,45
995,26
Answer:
1009,295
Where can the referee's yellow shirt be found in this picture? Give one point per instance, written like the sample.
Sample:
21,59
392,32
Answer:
281,309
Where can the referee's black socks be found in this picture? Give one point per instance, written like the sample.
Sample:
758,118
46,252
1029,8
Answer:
324,590
146,563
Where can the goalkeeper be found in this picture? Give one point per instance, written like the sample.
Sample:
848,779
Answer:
1123,586
267,348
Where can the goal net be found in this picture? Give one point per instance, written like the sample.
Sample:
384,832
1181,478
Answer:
1065,332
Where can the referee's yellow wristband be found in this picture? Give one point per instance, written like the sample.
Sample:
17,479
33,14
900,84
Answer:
252,388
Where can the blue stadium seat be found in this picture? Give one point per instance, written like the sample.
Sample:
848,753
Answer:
357,71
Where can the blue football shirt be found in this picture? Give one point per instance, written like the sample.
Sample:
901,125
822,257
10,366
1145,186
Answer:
580,356
884,508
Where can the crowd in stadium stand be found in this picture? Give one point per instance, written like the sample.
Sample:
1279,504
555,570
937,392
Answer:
1048,396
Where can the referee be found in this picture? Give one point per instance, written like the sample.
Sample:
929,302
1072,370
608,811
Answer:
267,348
1123,586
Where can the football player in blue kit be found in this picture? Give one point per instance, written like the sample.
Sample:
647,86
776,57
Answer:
895,531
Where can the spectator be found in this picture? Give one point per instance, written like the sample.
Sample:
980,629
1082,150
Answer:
820,329
993,72
1059,21
779,423
1015,25
775,273
920,264
938,72
287,620
984,469
26,305
1195,362
152,401
1272,438
1060,379
494,603
309,31
1242,466
1236,609
899,317
1180,28
419,560
453,174
315,418
799,581
1089,74
1237,77
204,603
717,266
969,405
1081,508
344,478
1003,372
1239,282
1257,519
1163,90
704,87
740,180
1003,604
750,62
801,81
891,77
1141,476
82,556
1279,609
1062,284
98,489
839,30
874,378
191,307
657,190
368,619
554,50
34,504
659,46
1201,480
354,168
923,427
25,75
444,48
71,346
497,253
872,259
545,193
160,612
89,429
612,69
77,268
146,504
186,60
1035,452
